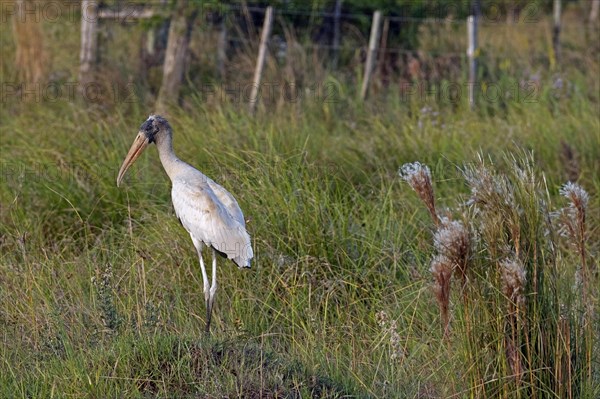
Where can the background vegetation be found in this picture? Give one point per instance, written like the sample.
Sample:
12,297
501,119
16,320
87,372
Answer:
100,290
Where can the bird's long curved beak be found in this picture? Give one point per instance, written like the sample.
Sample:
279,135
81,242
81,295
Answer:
140,142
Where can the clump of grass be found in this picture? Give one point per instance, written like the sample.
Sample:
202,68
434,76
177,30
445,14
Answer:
167,365
333,239
519,311
103,284
451,240
573,227
152,319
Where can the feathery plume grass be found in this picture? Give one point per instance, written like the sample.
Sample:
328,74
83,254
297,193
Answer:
494,198
488,190
441,268
573,226
514,278
579,199
511,223
418,176
452,241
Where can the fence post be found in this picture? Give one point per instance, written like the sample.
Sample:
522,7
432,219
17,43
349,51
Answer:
556,30
89,42
260,62
31,58
595,8
371,53
222,47
472,50
383,45
336,33
180,32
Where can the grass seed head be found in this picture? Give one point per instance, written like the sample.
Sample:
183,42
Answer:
488,190
572,218
573,226
441,268
452,242
578,197
418,176
382,318
390,327
514,278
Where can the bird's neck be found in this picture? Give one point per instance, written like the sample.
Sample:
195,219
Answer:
169,160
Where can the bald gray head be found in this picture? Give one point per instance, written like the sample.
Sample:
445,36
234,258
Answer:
153,126
155,129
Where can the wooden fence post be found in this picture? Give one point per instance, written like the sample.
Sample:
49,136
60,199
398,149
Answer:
383,46
260,62
336,33
222,47
371,53
88,54
31,58
472,50
595,8
180,31
556,30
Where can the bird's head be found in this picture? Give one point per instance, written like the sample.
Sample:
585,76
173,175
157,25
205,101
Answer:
153,129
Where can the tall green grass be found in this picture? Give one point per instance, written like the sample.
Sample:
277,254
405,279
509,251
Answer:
100,289
101,292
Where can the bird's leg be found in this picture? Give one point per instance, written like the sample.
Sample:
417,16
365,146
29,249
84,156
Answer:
204,278
212,292
206,287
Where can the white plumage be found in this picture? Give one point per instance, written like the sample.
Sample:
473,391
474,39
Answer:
212,216
208,212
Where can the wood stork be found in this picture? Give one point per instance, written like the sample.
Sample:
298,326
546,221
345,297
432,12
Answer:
208,212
